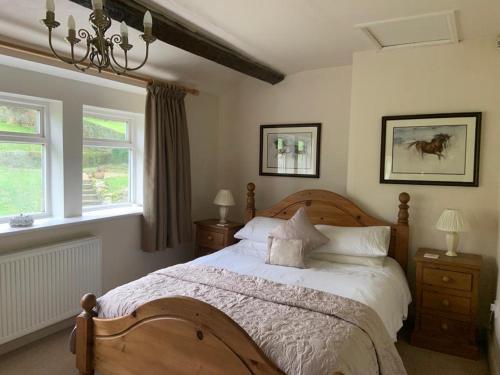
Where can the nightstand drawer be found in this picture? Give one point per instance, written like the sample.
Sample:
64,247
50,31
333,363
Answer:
446,302
212,240
447,279
437,326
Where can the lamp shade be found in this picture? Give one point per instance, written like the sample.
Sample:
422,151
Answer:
452,220
224,198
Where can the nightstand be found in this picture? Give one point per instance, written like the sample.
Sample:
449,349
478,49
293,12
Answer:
211,237
447,291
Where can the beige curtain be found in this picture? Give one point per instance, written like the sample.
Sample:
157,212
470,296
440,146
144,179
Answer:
167,173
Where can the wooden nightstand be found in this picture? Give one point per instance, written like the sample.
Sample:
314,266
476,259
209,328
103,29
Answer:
447,291
211,237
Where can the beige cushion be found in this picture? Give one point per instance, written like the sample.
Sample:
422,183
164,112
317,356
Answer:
299,227
289,253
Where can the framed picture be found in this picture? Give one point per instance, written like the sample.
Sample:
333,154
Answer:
290,150
437,149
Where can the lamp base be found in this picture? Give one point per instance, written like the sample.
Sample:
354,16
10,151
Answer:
451,244
223,210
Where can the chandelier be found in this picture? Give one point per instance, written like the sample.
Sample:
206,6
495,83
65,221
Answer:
100,52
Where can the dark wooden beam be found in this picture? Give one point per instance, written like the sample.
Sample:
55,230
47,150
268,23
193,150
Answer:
172,32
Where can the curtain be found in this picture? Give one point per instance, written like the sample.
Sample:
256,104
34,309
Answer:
167,172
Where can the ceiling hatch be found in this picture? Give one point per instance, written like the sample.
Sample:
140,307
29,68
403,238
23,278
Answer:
425,29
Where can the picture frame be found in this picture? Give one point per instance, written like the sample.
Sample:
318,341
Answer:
431,149
290,150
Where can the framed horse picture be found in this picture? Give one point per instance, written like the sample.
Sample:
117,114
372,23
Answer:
436,149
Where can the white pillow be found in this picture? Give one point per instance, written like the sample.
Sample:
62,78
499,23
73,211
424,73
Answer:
377,262
258,229
355,241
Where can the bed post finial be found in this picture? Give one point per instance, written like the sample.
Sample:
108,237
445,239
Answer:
85,334
403,214
88,302
403,232
250,210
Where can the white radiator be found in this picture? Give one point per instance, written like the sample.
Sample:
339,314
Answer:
43,286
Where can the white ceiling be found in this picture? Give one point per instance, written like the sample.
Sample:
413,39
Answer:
289,35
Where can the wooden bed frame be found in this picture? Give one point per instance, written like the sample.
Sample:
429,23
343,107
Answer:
181,335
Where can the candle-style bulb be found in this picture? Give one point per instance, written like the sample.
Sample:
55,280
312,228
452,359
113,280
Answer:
71,23
124,29
50,6
97,4
148,19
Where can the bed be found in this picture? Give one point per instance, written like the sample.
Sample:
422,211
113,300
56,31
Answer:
230,313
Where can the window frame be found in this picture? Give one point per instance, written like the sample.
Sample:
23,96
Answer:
41,138
129,143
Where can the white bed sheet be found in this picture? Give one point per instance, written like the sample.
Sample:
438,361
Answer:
384,289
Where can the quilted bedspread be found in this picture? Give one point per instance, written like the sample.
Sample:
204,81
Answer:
302,330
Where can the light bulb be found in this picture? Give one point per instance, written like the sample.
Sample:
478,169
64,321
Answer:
148,19
123,29
50,6
71,23
97,4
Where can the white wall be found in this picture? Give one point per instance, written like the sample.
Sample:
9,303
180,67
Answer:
494,339
314,96
120,236
449,78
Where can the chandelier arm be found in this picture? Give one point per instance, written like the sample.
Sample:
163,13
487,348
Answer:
123,68
117,72
126,60
82,33
89,64
77,63
64,59
144,62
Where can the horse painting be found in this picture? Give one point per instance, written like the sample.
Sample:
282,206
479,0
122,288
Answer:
435,147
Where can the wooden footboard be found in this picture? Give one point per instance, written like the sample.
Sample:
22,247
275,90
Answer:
177,335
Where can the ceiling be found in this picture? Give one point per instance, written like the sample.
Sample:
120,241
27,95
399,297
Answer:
289,35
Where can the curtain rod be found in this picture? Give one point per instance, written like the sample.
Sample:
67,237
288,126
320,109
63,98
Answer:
34,54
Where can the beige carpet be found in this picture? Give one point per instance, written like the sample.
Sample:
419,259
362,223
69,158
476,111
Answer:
51,356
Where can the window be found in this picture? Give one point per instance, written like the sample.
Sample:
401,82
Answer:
108,160
23,155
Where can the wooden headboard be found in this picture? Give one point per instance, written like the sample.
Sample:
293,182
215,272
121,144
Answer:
326,207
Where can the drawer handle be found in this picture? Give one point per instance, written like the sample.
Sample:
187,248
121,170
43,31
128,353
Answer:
210,238
445,302
446,279
444,327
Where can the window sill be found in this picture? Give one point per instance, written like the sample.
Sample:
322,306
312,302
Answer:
90,216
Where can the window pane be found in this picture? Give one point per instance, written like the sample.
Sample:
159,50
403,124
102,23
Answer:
105,175
21,179
18,119
98,128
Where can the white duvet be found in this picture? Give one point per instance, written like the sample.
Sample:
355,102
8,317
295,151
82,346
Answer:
384,289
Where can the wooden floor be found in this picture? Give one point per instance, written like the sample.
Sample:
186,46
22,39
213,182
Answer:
51,356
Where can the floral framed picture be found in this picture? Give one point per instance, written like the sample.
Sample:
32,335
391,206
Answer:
291,150
435,149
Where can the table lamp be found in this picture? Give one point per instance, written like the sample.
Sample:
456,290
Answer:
452,222
224,199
